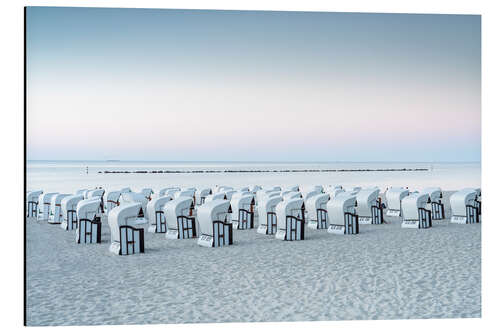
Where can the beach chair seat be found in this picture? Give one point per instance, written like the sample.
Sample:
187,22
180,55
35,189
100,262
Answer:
342,217
88,230
316,213
290,219
415,214
68,208
181,223
126,236
215,229
156,216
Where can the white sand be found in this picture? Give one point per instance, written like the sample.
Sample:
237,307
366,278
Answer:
385,272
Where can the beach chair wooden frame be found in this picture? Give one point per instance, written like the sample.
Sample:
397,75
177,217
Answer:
32,209
89,231
161,222
131,240
245,219
322,218
71,221
437,210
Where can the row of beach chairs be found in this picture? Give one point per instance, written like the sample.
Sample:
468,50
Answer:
211,215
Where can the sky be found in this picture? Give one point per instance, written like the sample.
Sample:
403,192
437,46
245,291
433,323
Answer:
187,85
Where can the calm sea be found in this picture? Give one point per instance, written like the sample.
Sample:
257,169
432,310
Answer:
69,176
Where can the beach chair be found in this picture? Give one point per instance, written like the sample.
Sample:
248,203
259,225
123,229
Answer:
32,203
242,205
189,193
99,194
126,236
133,197
290,219
369,207
170,190
181,224
268,223
288,195
68,208
334,191
156,217
148,192
255,188
45,199
316,214
56,215
126,190
223,188
201,195
215,196
415,214
215,229
293,188
342,217
308,194
111,200
435,206
229,194
393,196
355,190
88,229
477,202
464,206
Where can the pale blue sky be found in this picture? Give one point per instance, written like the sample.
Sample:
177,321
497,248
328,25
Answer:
230,85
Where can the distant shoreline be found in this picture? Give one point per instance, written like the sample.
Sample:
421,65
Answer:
267,171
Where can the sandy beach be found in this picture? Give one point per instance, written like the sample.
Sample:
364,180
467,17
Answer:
385,272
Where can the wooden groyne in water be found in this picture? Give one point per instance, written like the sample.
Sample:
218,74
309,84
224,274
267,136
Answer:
267,171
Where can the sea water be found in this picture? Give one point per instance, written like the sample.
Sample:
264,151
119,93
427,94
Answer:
69,176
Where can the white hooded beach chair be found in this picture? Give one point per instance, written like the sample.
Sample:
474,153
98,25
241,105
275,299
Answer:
96,193
290,219
393,196
369,208
164,191
223,188
126,190
45,199
464,207
111,200
68,208
56,214
291,195
242,206
255,188
293,188
126,236
229,194
355,190
244,189
148,192
268,223
215,229
181,223
89,224
317,216
334,191
201,195
156,217
216,196
342,216
309,194
477,202
32,203
81,192
131,197
415,214
435,206
190,193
